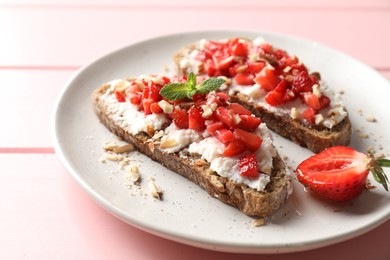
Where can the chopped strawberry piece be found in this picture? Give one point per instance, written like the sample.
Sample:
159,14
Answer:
210,68
211,128
255,67
249,167
146,103
309,114
249,123
225,63
180,118
235,147
226,116
251,141
267,79
239,109
223,135
324,101
278,95
155,108
195,119
135,98
244,78
223,97
240,49
274,98
119,97
302,83
312,100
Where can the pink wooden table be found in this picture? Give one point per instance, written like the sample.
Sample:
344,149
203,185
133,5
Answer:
44,214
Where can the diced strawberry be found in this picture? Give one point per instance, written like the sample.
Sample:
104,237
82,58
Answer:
223,135
119,97
244,78
180,118
249,123
249,167
280,54
238,109
225,116
146,103
274,98
267,47
223,97
195,119
251,141
135,98
255,67
235,147
309,114
302,83
145,93
240,49
154,92
210,68
312,100
278,95
267,79
224,64
155,108
324,101
211,128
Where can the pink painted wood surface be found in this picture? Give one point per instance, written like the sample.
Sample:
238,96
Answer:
45,215
47,36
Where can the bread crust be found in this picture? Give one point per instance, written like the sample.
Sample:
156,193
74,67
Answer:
246,199
302,134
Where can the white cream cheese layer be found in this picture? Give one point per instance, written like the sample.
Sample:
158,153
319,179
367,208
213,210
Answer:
127,116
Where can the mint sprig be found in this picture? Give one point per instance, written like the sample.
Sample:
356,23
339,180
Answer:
178,91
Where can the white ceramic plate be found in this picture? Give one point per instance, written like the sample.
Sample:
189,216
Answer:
187,214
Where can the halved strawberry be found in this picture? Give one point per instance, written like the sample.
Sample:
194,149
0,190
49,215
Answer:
339,173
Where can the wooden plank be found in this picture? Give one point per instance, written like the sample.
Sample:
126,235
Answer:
56,40
27,106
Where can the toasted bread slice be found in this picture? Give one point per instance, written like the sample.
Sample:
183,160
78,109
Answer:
313,136
250,201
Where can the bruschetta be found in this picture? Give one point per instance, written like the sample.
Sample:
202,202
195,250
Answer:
273,85
184,125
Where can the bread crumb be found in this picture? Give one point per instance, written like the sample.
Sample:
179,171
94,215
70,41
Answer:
154,190
124,148
363,136
258,222
371,119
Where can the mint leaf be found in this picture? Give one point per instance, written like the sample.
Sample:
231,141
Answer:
175,91
209,85
191,81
